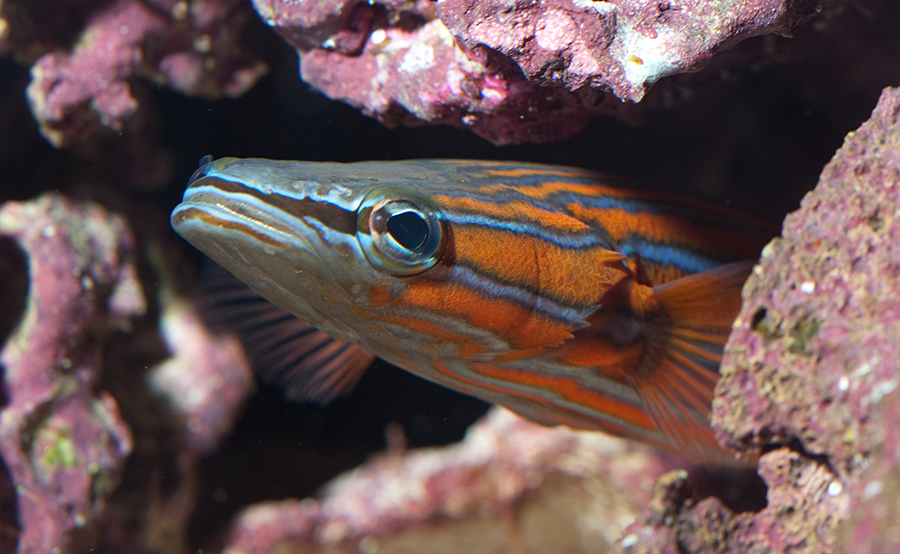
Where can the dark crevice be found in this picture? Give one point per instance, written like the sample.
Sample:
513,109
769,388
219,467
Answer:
797,446
9,521
13,286
740,489
758,316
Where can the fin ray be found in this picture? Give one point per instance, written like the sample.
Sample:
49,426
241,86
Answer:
677,378
694,351
304,362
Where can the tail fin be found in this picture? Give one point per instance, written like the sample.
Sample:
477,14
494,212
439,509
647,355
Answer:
676,383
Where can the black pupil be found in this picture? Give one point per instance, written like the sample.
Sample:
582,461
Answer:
409,229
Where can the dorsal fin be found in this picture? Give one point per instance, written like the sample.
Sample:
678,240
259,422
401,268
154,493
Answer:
304,362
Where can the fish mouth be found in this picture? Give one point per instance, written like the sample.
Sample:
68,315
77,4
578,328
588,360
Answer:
214,207
267,197
253,227
208,213
241,212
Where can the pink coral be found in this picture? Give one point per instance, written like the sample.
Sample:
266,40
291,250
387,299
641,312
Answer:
423,74
490,476
515,72
189,45
815,357
803,513
64,442
621,45
207,379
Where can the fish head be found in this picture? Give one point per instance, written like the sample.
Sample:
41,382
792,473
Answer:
393,256
321,242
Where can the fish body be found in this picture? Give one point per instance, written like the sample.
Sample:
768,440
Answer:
549,290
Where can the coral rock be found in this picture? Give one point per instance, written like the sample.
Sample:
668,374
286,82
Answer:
510,482
622,45
64,442
207,379
812,363
802,514
423,75
189,45
399,63
814,356
526,71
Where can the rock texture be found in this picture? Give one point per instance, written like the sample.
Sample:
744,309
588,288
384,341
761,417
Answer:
621,45
64,442
81,86
510,484
206,380
812,364
511,72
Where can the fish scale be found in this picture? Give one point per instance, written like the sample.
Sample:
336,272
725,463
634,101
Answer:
544,289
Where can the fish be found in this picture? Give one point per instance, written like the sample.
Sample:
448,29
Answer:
568,296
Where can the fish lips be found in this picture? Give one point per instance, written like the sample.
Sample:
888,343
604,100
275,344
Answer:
254,232
214,208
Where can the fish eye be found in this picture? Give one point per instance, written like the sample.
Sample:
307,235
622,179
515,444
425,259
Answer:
400,236
409,229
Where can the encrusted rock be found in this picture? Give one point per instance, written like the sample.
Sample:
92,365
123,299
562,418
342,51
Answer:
62,440
812,364
510,483
191,46
511,72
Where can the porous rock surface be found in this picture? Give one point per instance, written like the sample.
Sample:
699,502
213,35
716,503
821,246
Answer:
811,370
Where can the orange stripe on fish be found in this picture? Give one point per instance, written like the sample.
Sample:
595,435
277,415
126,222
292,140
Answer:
533,171
512,211
536,266
550,188
522,328
568,389
540,288
627,416
441,336
663,228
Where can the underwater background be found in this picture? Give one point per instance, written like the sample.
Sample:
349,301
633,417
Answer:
103,453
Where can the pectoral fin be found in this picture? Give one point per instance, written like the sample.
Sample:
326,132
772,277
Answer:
304,362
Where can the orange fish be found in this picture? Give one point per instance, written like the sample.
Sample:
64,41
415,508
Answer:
544,289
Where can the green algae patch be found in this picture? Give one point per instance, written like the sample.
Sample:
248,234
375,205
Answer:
55,449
